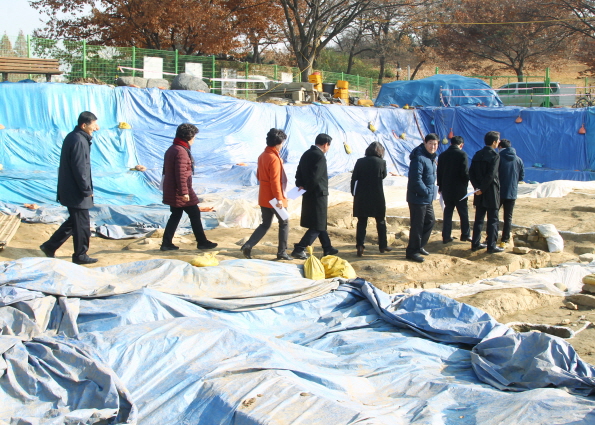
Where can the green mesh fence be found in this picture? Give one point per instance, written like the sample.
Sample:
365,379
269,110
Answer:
79,60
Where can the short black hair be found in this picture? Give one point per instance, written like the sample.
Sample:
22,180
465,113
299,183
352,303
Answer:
431,136
86,118
504,143
456,141
323,139
186,131
491,137
375,149
275,137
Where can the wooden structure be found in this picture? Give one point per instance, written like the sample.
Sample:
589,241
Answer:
14,65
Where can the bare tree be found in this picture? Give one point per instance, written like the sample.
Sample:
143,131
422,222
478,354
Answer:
506,34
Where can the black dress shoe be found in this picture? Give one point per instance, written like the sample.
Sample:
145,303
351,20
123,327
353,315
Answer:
495,250
449,240
415,257
360,250
169,247
478,247
84,260
466,239
48,252
385,249
422,251
207,245
331,251
284,256
246,251
299,254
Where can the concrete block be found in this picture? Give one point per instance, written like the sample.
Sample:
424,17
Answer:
586,258
521,250
589,288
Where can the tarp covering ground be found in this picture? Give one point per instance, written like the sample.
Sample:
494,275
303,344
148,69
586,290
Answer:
253,342
438,90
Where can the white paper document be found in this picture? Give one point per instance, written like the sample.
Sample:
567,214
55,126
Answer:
295,193
469,194
281,211
441,200
354,187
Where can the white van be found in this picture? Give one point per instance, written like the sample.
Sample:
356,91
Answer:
529,94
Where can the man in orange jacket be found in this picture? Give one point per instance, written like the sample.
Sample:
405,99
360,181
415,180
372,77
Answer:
273,182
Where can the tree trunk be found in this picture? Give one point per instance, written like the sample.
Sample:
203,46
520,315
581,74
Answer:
417,68
350,60
256,53
381,72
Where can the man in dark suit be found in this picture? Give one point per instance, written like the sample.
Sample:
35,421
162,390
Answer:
511,171
453,178
312,176
75,191
484,178
420,194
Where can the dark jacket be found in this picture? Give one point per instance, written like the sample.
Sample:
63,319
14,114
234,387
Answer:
369,194
422,176
484,176
177,180
312,175
453,174
511,172
75,185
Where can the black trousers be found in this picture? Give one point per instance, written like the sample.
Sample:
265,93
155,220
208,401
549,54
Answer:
78,226
311,235
463,211
492,226
360,234
267,220
174,219
508,205
422,222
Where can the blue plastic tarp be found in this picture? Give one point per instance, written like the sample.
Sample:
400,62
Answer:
438,90
334,358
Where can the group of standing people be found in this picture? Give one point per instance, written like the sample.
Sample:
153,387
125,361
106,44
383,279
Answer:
494,176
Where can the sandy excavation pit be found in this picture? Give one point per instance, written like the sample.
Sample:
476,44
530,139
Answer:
448,263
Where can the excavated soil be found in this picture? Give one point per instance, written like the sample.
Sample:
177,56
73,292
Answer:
391,272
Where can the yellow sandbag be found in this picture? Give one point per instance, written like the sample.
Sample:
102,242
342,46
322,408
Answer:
347,148
313,268
589,279
206,259
337,267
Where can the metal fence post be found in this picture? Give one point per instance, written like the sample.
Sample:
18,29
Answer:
247,75
275,77
437,70
133,61
371,89
547,88
176,62
84,59
29,49
214,83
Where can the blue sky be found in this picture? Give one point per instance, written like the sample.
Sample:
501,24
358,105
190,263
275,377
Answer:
18,15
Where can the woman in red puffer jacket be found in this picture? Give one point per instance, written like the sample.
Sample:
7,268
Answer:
178,167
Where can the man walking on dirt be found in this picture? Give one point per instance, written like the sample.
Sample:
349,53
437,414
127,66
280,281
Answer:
420,194
75,191
312,175
453,179
484,178
511,171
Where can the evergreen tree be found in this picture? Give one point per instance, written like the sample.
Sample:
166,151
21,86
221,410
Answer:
20,46
6,47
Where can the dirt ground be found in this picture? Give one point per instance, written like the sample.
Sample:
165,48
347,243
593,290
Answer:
391,272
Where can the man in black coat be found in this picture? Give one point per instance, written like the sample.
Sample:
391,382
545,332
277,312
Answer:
75,191
312,176
453,179
511,172
421,185
484,178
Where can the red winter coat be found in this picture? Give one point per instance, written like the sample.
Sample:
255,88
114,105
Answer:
177,179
